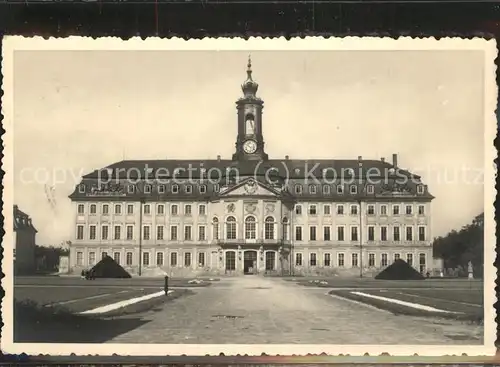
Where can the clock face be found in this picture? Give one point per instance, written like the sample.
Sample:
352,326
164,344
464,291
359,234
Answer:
250,146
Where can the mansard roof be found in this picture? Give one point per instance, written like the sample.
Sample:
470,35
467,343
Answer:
22,220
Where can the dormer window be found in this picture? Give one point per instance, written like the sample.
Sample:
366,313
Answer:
340,189
216,188
297,171
161,189
203,189
312,189
189,189
175,189
81,188
298,189
370,189
326,189
420,189
131,189
147,189
354,189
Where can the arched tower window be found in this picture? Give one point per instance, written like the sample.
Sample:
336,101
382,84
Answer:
249,124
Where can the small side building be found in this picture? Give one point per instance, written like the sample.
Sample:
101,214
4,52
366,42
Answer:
24,243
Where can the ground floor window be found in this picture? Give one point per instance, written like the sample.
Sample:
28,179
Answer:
298,259
104,254
187,259
201,259
327,261
354,260
383,261
397,257
173,259
230,260
128,258
371,260
145,259
116,257
312,259
159,258
79,258
270,259
422,262
91,258
341,260
409,259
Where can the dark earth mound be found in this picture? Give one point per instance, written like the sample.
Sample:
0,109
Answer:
108,268
399,270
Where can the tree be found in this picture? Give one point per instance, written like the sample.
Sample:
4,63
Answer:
458,248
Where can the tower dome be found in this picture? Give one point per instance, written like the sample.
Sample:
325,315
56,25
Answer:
249,86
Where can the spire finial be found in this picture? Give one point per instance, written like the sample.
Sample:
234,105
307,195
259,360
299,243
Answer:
249,67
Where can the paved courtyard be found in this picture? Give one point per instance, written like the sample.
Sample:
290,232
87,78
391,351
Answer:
257,310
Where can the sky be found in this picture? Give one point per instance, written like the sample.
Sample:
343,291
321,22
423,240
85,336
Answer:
76,111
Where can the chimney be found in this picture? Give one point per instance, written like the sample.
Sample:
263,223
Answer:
382,159
287,157
395,160
218,158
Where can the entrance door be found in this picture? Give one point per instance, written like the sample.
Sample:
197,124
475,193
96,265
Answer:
270,260
250,262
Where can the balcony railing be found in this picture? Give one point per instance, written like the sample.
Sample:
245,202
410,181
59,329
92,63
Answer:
257,241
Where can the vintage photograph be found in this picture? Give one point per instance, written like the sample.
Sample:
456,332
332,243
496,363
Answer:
177,197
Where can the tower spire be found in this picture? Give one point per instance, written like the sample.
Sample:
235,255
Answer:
249,87
249,68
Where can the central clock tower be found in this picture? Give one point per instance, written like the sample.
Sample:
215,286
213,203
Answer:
249,142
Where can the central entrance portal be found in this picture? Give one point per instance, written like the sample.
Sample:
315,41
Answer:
250,262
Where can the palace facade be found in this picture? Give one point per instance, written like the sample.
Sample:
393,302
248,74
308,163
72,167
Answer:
251,214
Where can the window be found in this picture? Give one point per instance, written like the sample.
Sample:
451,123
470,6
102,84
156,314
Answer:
409,210
371,210
231,228
370,189
189,190
201,259
354,189
145,259
409,259
130,209
104,232
92,235
340,260
81,188
81,208
421,261
201,233
383,209
187,233
354,210
340,189
340,233
421,233
371,233
128,258
79,232
203,189
118,233
326,209
298,189
131,189
174,209
91,258
173,259
420,189
159,233
395,234
147,189
371,260
116,257
354,233
312,259
395,210
269,228
312,209
175,189
421,210
340,210
118,209
230,260
202,209
250,228
216,188
146,235
327,234
93,209
298,233
104,254
147,209
159,259
105,209
383,233
187,209
161,189
298,209
397,257
312,189
173,233
409,233
326,189
327,260
312,233
354,260
298,259
79,258
215,222
383,261
160,209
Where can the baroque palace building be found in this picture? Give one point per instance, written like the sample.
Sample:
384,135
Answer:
251,214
